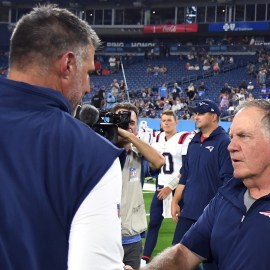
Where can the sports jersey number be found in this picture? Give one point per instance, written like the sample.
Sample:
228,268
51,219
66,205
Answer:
168,167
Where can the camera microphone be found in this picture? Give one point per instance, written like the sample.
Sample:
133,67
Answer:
89,114
104,123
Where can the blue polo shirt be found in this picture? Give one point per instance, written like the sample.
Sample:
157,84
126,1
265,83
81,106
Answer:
233,237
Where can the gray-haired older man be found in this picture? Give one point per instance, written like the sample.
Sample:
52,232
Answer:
234,228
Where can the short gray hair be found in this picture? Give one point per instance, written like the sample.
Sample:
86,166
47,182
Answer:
47,32
264,106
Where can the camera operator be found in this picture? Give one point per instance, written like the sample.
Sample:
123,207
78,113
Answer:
134,162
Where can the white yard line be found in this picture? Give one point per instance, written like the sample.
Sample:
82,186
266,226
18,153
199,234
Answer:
149,187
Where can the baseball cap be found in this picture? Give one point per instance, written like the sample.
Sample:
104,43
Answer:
205,106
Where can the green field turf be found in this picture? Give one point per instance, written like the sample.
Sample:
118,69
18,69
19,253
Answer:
167,228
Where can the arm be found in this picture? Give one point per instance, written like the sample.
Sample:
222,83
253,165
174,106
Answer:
173,182
164,192
225,163
195,247
175,208
89,242
151,154
175,258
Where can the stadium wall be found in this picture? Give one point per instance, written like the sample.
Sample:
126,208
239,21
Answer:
183,125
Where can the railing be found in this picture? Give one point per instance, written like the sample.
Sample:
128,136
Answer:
183,49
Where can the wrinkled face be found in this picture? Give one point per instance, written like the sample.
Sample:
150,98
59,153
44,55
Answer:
249,147
168,123
79,80
132,127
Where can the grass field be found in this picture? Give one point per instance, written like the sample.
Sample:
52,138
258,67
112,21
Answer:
167,228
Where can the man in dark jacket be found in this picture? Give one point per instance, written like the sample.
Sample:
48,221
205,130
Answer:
234,228
206,168
60,181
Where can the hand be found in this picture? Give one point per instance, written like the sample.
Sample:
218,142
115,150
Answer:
175,211
127,267
163,193
124,136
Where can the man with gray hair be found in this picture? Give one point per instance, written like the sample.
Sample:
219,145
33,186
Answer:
60,181
234,228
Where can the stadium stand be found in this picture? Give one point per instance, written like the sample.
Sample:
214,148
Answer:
170,50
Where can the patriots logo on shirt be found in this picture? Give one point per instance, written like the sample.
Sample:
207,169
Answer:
210,148
266,213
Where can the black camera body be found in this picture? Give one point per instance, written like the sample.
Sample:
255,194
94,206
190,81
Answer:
108,123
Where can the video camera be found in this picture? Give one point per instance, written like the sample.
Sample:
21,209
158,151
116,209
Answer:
108,123
104,123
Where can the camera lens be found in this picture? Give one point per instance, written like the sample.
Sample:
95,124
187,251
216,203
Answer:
108,131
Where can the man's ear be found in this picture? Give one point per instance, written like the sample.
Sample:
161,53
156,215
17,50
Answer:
215,117
67,64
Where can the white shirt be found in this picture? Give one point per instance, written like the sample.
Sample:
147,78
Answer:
95,235
172,150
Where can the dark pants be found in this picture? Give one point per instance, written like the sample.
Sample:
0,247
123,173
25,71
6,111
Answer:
182,227
156,218
133,254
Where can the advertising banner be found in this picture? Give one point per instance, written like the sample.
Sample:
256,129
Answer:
170,28
238,26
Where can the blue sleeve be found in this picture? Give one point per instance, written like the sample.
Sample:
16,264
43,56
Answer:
145,170
184,170
198,237
225,163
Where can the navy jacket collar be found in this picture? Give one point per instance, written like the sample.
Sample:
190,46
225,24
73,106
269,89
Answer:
217,131
43,96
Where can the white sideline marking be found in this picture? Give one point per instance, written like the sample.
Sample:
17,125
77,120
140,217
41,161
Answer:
149,187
